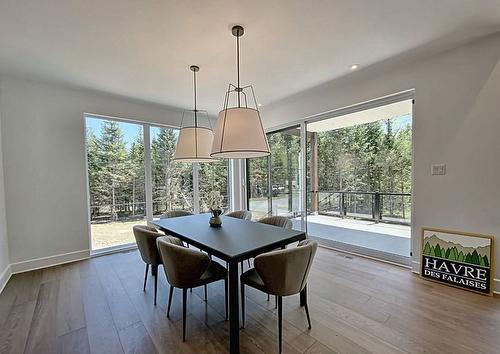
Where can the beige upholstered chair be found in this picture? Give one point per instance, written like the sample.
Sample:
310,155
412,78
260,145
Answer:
280,221
175,214
280,273
244,215
145,237
240,214
187,268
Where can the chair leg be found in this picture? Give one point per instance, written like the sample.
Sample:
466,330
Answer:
242,305
275,302
184,304
307,314
268,297
206,297
241,266
226,290
248,260
145,277
154,271
170,300
280,323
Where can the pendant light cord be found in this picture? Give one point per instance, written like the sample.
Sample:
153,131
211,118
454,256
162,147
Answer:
238,66
195,107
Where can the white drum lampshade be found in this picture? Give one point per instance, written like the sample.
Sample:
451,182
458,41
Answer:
194,145
239,134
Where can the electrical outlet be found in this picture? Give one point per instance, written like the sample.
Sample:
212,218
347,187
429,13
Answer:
438,169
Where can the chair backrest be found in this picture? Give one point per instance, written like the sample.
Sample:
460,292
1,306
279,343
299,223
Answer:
280,221
183,266
145,237
285,272
241,214
175,214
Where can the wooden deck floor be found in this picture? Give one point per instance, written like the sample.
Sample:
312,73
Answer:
357,306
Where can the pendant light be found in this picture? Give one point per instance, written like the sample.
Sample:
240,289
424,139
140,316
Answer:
239,132
195,141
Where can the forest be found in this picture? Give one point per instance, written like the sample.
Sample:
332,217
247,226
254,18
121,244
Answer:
372,157
116,174
366,158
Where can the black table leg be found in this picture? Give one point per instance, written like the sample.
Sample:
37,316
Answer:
303,296
234,312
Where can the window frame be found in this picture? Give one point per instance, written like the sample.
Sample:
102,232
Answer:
146,130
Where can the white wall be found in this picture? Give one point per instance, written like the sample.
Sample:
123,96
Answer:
44,165
4,245
457,122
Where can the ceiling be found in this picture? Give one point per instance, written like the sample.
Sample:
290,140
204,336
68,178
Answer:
143,49
388,111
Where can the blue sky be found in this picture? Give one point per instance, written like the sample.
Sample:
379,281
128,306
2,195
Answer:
129,130
401,122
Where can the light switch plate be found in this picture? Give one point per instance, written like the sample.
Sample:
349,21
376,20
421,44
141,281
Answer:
438,169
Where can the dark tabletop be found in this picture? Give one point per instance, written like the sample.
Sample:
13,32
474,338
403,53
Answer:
235,240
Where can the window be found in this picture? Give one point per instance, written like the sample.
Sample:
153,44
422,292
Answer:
172,187
115,155
118,168
259,199
213,176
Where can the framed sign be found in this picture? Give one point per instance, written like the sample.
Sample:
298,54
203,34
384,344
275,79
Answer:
460,259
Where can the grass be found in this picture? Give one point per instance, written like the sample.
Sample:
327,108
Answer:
113,233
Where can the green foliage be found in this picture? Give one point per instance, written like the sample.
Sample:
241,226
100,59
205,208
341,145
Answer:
368,157
212,177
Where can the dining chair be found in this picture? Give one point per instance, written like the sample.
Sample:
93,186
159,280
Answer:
175,214
187,268
244,215
281,221
240,214
145,237
280,273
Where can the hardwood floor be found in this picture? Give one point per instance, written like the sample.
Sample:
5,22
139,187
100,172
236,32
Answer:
357,306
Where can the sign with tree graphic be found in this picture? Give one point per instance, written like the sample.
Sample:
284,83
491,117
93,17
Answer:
459,259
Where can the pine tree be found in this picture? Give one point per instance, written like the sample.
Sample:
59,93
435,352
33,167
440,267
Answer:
427,249
172,181
475,257
137,176
461,257
437,251
112,157
93,172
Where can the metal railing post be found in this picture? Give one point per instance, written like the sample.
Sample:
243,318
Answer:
377,215
343,209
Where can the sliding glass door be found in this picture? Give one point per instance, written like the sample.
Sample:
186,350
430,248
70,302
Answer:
359,181
274,186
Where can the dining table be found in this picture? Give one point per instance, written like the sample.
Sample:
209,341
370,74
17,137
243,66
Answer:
234,241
